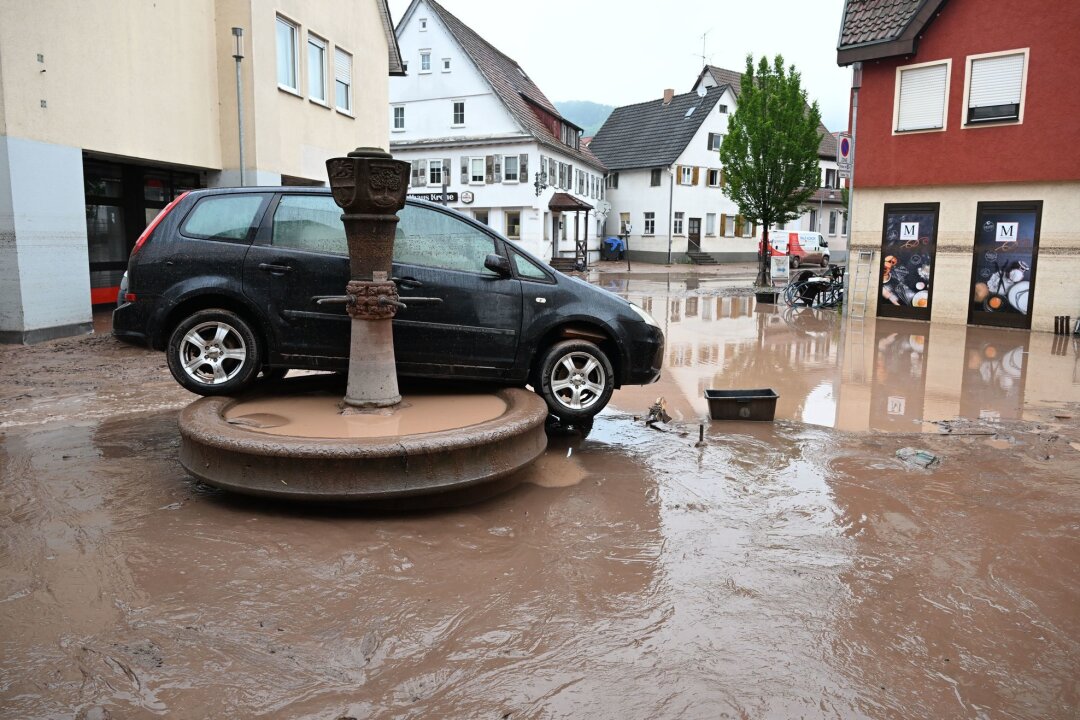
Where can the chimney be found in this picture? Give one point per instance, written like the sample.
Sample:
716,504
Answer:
668,95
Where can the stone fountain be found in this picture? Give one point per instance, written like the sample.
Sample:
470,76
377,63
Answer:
374,444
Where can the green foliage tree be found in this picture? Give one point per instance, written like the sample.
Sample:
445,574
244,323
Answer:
770,151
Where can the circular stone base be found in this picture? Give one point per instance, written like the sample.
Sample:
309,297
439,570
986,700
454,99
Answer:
237,445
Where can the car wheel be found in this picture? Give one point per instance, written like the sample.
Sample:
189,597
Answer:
213,352
794,262
576,379
824,261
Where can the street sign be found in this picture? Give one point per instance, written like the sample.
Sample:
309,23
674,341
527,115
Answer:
844,148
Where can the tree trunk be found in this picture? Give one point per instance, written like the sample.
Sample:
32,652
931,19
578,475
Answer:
763,257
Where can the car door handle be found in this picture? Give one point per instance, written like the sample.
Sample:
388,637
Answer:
407,282
275,269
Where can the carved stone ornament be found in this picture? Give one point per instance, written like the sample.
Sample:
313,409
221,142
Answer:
342,172
386,184
366,301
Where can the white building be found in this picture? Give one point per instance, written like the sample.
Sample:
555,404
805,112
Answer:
665,179
472,123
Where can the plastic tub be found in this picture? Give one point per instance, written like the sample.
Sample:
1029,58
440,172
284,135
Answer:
757,404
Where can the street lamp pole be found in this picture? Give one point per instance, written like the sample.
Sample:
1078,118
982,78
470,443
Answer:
238,34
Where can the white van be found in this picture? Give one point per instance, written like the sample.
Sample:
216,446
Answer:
803,246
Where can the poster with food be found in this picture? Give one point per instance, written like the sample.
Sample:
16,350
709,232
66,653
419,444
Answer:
1003,267
908,246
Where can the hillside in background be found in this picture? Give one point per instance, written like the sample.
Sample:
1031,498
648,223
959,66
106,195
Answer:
589,115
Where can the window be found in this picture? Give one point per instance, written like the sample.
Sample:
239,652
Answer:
710,224
830,178
423,24
286,55
513,224
309,222
526,268
654,177
425,61
613,180
686,176
446,64
223,217
430,238
481,216
995,88
921,92
843,223
459,113
727,227
510,168
650,223
740,226
342,80
316,63
435,172
714,141
832,222
723,109
405,66
678,223
813,220
476,170
714,178
399,117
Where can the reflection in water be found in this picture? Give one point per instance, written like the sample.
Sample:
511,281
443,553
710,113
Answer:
881,375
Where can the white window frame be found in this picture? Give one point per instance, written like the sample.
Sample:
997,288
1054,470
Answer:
453,113
483,170
314,40
446,65
423,24
650,224
425,54
506,223
708,173
947,62
710,224
517,169
964,124
394,116
431,165
687,175
339,77
677,223
295,36
832,222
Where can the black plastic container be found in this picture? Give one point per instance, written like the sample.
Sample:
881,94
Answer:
742,404
766,296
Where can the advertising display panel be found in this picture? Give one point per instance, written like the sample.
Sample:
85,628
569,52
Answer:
908,248
1006,251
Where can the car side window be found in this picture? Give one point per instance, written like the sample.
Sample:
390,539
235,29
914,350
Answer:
435,239
526,268
223,217
309,222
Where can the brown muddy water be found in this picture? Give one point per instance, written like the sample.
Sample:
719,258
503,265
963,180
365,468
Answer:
788,569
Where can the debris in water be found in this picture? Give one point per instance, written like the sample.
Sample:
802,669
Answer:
658,413
700,437
919,458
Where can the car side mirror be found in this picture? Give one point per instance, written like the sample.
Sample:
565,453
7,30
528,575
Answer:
498,265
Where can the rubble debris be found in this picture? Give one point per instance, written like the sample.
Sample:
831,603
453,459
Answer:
918,458
657,413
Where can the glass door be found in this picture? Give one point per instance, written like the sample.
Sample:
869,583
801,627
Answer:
1006,252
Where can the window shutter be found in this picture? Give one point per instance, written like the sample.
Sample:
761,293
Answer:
678,174
994,93
523,167
489,167
694,181
465,171
446,171
723,224
723,180
421,166
415,180
498,168
922,98
342,66
708,142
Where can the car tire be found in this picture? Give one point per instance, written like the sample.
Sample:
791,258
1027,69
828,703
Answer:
794,262
273,375
214,352
576,380
824,261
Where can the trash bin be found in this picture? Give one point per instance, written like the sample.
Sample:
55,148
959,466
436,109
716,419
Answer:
611,248
742,404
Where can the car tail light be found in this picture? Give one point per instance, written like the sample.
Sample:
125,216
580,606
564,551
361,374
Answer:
154,223
129,297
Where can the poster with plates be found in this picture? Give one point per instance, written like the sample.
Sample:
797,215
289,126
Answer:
1003,268
906,272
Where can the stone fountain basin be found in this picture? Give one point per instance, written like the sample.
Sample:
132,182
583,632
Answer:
245,460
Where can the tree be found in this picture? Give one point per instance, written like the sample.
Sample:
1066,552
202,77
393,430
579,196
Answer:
770,151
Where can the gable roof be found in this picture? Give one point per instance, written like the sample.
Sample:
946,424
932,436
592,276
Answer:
652,134
873,29
510,83
733,79
394,52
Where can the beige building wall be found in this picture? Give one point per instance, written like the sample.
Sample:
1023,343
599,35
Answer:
135,79
1057,291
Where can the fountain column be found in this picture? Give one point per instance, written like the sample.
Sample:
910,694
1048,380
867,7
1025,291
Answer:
369,185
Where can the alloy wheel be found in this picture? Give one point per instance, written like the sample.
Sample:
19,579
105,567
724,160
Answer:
577,380
212,353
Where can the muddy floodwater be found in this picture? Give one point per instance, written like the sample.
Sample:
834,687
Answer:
795,568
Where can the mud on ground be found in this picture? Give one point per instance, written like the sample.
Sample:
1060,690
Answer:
780,570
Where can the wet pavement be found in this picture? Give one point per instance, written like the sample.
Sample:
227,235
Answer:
788,569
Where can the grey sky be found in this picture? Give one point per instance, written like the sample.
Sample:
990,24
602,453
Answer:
620,53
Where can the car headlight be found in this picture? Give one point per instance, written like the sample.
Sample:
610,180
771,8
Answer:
646,317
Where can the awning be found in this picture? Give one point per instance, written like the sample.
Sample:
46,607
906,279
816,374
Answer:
565,202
